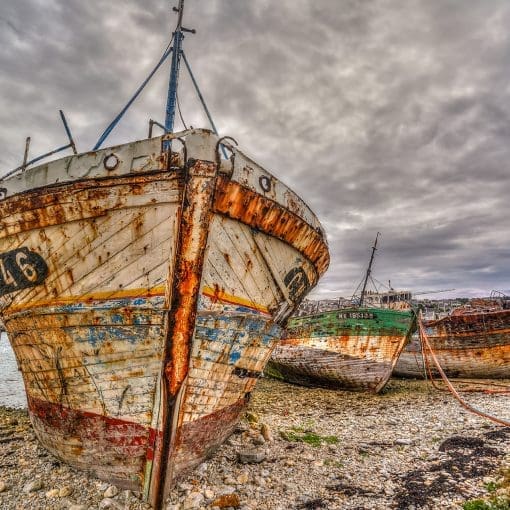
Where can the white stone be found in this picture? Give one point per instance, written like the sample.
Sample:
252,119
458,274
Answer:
111,492
33,486
109,503
209,494
65,491
194,500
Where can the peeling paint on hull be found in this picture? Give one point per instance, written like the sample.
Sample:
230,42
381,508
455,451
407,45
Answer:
140,344
470,345
354,349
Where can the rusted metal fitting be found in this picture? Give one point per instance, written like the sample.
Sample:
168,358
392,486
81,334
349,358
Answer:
111,162
222,141
173,159
222,144
265,183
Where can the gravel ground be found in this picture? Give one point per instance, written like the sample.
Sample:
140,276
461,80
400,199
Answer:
412,447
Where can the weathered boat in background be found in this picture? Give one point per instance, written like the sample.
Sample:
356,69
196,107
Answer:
352,348
143,287
472,342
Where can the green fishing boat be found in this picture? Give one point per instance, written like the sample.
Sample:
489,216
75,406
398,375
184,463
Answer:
354,347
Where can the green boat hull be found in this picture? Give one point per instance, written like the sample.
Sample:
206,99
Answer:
353,349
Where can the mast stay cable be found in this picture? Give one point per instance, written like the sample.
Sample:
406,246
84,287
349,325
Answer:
119,116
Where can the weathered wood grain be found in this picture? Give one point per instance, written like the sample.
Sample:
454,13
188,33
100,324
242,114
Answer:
354,349
475,345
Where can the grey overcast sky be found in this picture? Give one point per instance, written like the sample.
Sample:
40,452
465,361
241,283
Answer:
384,115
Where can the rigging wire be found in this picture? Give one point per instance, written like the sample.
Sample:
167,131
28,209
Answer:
374,284
381,284
179,110
119,116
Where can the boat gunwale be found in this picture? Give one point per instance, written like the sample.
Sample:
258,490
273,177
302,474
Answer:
162,139
410,311
320,262
473,317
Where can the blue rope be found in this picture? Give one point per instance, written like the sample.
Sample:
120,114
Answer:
116,120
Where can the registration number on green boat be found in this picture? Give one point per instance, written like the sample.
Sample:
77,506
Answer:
355,315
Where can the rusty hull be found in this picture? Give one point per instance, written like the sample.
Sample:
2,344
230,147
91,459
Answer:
470,345
354,349
144,300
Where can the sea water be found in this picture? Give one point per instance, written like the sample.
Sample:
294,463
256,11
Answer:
12,391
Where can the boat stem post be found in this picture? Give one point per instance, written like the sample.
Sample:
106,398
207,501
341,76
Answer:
199,176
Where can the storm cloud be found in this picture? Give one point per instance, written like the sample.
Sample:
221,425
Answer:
384,115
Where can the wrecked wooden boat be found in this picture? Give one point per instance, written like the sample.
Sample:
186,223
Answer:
352,348
143,287
472,342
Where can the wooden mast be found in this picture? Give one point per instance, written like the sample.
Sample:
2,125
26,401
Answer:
369,270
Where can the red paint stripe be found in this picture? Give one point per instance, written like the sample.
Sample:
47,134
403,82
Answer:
92,426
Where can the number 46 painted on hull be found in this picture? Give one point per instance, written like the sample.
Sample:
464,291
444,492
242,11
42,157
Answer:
20,269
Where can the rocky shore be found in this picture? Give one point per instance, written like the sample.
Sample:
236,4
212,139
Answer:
412,447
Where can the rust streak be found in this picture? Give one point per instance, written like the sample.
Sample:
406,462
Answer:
242,204
196,215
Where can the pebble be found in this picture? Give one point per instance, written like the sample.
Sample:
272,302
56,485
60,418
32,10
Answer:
194,500
403,442
259,440
209,494
33,486
3,486
243,478
109,503
111,492
185,487
251,456
65,491
265,430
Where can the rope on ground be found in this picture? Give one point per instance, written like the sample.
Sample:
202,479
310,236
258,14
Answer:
502,389
455,393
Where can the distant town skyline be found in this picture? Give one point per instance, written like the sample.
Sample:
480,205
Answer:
384,115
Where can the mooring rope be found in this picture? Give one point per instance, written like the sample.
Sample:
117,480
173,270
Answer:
453,390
